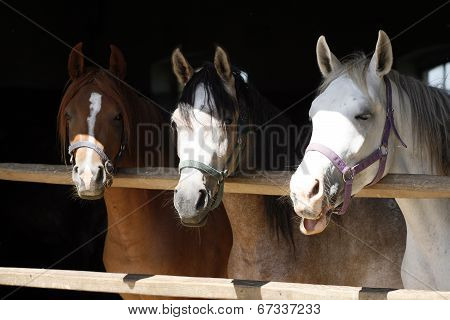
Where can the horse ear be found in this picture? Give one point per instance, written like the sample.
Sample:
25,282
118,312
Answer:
75,64
326,60
222,65
382,59
117,63
182,69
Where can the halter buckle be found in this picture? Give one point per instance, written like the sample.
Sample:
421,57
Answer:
108,182
347,177
121,150
383,150
222,177
389,112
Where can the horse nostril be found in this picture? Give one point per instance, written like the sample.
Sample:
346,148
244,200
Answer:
99,177
75,169
176,190
315,189
201,200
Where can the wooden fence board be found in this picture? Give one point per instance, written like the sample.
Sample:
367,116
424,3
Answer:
267,183
192,287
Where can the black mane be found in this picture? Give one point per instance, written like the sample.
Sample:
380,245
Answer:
214,89
251,105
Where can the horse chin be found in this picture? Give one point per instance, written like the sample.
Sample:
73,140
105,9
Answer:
197,220
315,226
91,195
199,224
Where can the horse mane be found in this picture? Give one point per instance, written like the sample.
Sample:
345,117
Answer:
214,91
430,108
252,109
249,101
134,109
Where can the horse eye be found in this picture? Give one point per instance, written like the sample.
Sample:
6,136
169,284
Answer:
67,116
365,116
228,121
118,117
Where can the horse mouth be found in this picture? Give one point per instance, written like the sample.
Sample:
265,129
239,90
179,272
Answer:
90,194
91,197
316,226
199,224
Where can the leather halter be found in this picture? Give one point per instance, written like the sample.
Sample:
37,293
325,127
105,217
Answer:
219,175
216,174
108,164
380,154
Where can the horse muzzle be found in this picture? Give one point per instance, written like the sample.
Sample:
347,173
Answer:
193,205
90,181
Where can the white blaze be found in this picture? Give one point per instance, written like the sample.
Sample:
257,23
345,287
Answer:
94,108
96,105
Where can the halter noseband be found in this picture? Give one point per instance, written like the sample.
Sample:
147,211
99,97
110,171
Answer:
216,174
380,154
107,163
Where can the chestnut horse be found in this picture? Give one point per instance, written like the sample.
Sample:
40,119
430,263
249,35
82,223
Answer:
214,120
98,120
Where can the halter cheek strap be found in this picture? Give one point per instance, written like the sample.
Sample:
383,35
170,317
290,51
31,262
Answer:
380,154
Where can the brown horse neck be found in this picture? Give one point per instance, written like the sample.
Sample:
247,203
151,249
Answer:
145,236
257,252
249,222
132,214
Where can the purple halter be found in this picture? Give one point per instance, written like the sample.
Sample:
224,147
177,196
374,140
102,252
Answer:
380,154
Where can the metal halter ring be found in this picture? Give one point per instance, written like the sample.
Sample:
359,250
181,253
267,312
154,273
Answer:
109,167
224,174
348,178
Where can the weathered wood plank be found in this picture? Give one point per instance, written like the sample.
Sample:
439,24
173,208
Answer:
191,287
269,183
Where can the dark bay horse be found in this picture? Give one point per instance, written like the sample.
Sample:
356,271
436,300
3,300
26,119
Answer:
98,120
213,122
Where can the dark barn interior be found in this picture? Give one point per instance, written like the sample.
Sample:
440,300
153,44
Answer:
43,225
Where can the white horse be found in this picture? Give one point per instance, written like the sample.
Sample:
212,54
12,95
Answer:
349,149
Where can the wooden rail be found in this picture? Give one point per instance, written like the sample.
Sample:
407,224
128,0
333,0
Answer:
191,287
268,183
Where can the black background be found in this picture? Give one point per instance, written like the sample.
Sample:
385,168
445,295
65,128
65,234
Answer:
273,41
